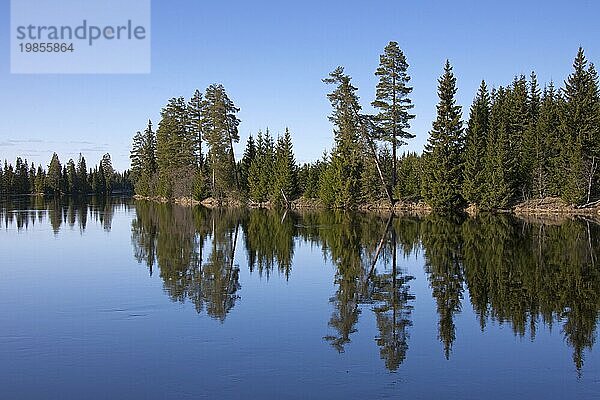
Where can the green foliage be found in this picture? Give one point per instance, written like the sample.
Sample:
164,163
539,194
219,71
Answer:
497,169
409,176
580,127
340,186
476,140
220,130
285,185
262,168
309,176
442,157
54,177
246,162
392,100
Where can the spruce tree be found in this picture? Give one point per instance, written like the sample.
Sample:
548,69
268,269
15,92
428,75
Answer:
32,177
409,175
40,181
442,179
549,172
581,130
341,185
195,110
498,168
517,114
82,177
392,100
533,153
475,147
72,182
261,175
21,177
135,156
54,177
286,173
246,162
255,190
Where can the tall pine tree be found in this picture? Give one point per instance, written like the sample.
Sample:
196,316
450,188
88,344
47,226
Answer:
392,100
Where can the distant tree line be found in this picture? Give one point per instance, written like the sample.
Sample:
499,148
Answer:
520,142
59,179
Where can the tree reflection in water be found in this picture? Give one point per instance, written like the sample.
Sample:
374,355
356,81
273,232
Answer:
516,272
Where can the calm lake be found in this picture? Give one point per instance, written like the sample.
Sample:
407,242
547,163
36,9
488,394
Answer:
119,299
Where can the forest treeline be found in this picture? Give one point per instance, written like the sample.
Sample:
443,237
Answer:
521,141
58,179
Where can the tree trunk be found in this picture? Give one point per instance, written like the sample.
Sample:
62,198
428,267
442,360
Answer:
376,159
591,178
287,203
394,133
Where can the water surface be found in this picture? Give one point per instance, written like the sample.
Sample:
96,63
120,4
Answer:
122,299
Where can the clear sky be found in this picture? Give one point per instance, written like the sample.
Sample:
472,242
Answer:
271,57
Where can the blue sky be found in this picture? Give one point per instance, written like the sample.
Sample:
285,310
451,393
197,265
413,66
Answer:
271,57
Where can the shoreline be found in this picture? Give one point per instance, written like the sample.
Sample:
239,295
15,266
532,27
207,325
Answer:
548,207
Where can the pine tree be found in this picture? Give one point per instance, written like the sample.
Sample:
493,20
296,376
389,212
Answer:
475,147
174,146
54,177
392,100
220,130
442,178
341,185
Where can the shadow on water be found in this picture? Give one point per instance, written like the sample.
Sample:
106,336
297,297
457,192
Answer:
516,273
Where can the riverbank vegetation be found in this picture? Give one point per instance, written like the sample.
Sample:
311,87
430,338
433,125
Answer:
521,142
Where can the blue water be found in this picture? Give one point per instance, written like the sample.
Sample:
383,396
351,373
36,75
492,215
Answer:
80,317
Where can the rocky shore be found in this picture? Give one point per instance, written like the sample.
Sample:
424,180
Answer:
546,207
